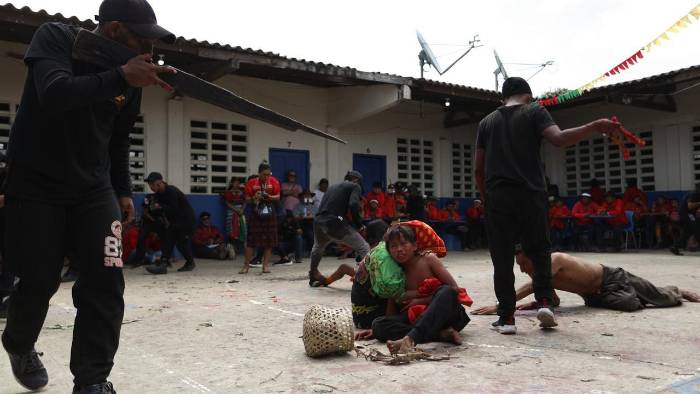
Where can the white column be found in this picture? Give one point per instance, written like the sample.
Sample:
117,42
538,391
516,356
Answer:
177,161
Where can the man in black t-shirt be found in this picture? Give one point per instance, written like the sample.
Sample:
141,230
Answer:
331,225
177,227
67,182
511,180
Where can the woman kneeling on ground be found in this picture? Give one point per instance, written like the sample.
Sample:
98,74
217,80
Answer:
431,307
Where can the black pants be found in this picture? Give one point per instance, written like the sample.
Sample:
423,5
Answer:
147,227
444,312
515,214
40,238
176,236
625,292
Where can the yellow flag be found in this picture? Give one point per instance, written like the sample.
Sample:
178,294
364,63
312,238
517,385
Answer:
696,11
665,36
657,42
673,29
647,47
684,22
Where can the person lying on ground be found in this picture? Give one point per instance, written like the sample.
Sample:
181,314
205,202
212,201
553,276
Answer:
439,315
599,286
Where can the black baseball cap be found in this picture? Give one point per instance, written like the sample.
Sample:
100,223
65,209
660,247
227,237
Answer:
137,15
514,86
154,176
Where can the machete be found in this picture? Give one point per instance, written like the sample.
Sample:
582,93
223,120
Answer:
103,52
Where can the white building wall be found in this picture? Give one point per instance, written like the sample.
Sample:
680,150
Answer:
672,148
167,123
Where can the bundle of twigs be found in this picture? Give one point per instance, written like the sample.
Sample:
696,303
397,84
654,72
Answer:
415,354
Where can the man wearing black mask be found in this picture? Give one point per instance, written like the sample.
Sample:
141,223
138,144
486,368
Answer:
511,180
67,183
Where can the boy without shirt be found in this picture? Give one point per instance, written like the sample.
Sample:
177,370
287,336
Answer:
444,316
598,285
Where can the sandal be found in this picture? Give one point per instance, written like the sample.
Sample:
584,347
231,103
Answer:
266,271
244,270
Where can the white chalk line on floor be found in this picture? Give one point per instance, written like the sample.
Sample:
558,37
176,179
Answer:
254,302
153,360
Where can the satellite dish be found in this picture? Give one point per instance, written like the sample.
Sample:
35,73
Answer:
426,55
500,70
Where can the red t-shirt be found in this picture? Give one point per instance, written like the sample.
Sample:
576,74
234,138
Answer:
475,213
633,192
434,213
272,187
376,196
389,206
617,208
580,212
556,212
447,215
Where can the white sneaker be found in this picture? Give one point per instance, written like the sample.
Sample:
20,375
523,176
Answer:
256,264
546,318
504,328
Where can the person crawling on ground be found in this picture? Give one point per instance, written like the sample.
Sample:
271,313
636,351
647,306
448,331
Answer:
599,286
430,309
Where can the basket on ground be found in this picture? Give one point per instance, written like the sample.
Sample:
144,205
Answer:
328,331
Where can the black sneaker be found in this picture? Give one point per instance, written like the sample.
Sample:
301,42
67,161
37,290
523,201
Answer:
100,388
159,268
505,326
675,251
189,266
28,370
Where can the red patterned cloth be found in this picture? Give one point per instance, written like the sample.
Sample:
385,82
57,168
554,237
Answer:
426,238
427,288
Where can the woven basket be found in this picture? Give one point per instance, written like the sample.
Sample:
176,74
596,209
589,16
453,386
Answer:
327,331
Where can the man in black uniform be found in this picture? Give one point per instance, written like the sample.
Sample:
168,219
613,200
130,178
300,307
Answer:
178,226
68,178
331,225
510,177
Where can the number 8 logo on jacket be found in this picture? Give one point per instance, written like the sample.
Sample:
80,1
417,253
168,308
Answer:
113,246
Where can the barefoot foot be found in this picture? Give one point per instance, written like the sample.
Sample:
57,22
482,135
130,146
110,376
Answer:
244,270
690,296
450,335
403,346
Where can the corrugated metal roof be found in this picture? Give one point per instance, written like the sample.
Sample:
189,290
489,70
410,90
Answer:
652,78
448,88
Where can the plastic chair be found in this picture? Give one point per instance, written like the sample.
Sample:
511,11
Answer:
629,230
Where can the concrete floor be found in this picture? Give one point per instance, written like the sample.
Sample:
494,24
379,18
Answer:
197,333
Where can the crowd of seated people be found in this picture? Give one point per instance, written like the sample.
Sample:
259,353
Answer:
596,221
606,221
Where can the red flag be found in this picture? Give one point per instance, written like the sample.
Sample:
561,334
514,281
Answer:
640,55
607,74
613,72
623,65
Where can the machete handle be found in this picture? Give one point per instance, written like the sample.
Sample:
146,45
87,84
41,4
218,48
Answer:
100,51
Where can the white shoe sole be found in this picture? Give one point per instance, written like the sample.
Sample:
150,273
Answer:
506,330
546,318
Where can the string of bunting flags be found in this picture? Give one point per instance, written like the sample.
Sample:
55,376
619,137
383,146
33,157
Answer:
682,23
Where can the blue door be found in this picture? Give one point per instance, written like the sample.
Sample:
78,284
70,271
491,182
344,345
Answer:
283,160
372,168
